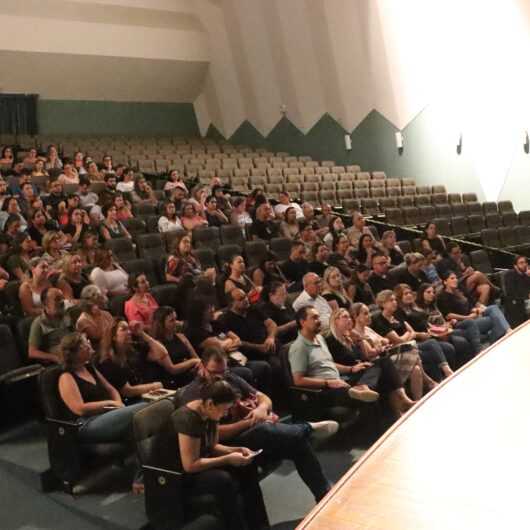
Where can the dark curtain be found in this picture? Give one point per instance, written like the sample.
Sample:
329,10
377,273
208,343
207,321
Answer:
18,114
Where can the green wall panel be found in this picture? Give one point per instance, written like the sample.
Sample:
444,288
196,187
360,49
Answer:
111,117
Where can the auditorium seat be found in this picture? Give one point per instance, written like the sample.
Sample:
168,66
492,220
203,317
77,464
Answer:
505,207
411,215
469,197
474,208
489,207
443,226
459,226
454,198
490,238
481,261
493,220
443,211
510,219
394,216
122,248
281,246
206,237
255,252
150,246
508,236
476,223
206,257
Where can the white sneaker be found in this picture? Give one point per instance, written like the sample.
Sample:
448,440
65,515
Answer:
324,429
363,394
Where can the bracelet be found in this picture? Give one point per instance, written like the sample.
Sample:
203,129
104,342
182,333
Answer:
325,383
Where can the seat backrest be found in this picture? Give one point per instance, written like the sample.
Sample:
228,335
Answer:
206,237
255,252
231,234
22,331
281,246
481,261
9,358
287,374
51,401
150,245
226,252
206,257
149,424
142,265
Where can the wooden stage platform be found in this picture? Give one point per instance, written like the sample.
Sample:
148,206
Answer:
459,460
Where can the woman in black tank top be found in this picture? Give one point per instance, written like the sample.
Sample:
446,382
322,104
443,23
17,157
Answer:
88,397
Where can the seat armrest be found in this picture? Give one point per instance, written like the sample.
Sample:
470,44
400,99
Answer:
305,389
19,374
72,426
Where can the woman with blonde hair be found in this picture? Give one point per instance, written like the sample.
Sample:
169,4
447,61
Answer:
31,289
407,363
333,289
52,246
72,280
374,373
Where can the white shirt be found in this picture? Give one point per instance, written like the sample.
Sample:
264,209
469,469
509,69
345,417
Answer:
125,187
319,303
280,208
166,225
109,281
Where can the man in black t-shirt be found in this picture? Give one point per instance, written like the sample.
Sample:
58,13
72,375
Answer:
296,267
263,226
252,423
412,274
379,280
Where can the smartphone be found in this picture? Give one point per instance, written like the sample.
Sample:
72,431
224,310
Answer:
256,453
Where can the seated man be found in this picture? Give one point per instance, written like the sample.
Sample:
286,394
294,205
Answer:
48,329
263,226
412,274
257,332
517,290
106,197
285,202
312,365
379,279
252,423
296,266
310,296
357,229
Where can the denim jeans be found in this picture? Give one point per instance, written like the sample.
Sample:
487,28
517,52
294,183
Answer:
471,331
112,426
291,441
432,356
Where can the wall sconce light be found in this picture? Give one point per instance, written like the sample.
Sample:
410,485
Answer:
347,142
459,144
283,109
526,142
399,142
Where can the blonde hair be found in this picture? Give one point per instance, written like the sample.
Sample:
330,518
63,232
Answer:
338,313
48,238
383,297
67,260
399,291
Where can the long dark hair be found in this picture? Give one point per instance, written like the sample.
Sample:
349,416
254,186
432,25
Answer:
159,320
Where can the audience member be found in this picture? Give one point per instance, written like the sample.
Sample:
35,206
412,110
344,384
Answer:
274,297
168,221
333,290
357,229
263,226
390,246
379,279
290,227
311,297
517,289
296,266
141,305
107,274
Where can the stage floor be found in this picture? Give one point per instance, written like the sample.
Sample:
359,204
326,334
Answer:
460,459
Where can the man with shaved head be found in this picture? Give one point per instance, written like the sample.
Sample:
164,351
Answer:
310,296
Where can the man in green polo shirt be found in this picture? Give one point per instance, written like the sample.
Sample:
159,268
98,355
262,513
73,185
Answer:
312,365
48,329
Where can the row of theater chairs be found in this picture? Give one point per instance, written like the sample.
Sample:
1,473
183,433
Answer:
512,238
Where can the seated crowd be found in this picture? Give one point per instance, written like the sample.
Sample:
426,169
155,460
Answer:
360,320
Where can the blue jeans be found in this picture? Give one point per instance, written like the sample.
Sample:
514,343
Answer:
493,323
470,330
112,426
291,441
432,356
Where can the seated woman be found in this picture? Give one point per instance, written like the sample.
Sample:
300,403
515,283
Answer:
391,248
366,249
342,256
190,218
455,306
94,321
268,271
69,174
214,215
126,364
336,229
143,193
108,275
239,215
93,172
236,278
457,349
31,158
72,280
53,249
274,296
90,399
426,301
319,256
183,357
52,158
333,289
79,162
11,208
358,288
198,199
378,374
290,227
78,224
87,249
169,220
7,158
373,346
431,238
39,169
19,256
400,331
123,208
111,228
126,184
174,180
215,469
141,305
39,225
30,290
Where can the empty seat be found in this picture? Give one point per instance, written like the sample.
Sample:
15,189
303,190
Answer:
378,175
347,177
476,223
523,234
489,207
122,248
408,182
524,218
258,181
393,192
344,194
439,198
330,177
469,197
480,261
293,189
377,193
328,196
281,246
454,198
327,186
427,213
405,201
344,185
150,246
510,219
405,246
377,183
423,190
422,200
493,220
387,202
393,183
353,168
394,216
362,175
312,178
508,236
408,190
255,252
443,226
145,209
459,226
338,169
142,266
473,208
206,237
458,209
505,207
226,252
206,257
135,226
369,206
411,215
443,211
490,238
439,189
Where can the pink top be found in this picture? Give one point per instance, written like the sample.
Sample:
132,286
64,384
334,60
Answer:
141,312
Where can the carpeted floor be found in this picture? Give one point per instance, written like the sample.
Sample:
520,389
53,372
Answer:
23,455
